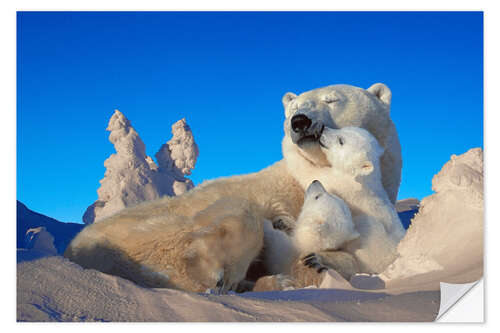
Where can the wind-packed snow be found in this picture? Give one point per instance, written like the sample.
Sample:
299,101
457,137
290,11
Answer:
447,233
132,177
63,291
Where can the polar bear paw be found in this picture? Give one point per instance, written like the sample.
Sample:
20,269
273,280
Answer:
312,261
284,224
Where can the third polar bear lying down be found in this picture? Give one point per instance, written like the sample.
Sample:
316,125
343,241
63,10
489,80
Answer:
207,251
326,224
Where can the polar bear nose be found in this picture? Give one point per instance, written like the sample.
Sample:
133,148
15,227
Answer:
300,123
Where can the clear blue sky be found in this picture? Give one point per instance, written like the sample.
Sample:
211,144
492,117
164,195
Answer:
226,73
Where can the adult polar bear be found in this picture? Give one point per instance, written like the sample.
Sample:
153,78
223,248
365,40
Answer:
339,106
277,190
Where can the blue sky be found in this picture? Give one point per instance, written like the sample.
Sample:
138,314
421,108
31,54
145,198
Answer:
226,73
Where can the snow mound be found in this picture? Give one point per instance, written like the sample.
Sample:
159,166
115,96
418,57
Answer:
446,235
41,240
62,232
132,177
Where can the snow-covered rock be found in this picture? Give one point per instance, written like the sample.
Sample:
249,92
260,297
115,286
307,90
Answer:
27,219
41,240
446,235
132,177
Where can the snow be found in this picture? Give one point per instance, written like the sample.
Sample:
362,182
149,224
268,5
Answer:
41,240
446,235
62,232
180,153
63,291
132,177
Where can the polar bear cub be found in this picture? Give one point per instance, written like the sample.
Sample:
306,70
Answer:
324,224
355,176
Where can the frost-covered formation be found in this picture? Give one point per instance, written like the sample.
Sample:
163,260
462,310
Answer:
132,177
40,239
178,156
447,233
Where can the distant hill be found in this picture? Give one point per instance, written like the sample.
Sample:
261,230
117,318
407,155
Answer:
407,209
62,232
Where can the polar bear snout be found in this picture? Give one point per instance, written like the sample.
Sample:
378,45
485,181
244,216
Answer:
300,123
304,128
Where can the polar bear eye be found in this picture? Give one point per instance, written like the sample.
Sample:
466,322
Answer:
330,98
341,140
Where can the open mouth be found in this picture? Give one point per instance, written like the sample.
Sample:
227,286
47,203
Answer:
314,137
307,138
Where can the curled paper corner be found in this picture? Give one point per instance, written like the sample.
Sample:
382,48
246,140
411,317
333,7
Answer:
451,294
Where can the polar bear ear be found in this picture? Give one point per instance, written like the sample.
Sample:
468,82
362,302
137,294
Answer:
287,98
382,92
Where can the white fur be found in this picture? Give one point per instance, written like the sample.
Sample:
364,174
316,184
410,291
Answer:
280,250
339,106
325,223
277,190
355,177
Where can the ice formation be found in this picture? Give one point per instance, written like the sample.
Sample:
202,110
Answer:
132,177
447,232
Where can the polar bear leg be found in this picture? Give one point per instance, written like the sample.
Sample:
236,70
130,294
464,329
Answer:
342,262
279,250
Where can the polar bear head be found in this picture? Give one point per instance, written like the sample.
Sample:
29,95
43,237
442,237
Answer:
334,106
339,106
228,236
325,222
352,150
